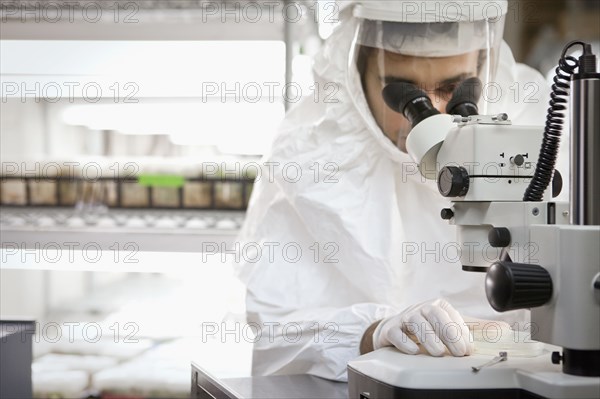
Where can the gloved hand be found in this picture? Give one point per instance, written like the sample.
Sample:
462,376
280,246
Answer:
436,325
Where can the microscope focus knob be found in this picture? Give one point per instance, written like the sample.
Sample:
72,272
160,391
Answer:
499,237
447,213
453,181
556,358
511,286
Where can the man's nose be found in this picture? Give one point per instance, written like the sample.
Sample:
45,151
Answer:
439,101
440,105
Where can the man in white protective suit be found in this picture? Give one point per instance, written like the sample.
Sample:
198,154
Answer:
357,248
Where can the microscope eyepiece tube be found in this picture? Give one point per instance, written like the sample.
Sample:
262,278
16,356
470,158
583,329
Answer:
465,97
410,101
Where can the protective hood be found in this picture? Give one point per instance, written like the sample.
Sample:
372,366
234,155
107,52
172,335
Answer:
428,11
366,222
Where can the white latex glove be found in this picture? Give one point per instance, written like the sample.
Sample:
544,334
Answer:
436,325
477,325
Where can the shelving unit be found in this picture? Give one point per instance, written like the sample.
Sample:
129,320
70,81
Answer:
215,200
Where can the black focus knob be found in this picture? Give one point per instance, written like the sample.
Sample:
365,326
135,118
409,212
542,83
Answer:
447,213
556,358
453,181
499,237
511,286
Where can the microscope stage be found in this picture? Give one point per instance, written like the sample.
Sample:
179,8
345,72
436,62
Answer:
387,373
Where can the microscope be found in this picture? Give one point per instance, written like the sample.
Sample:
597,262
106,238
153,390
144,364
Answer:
500,179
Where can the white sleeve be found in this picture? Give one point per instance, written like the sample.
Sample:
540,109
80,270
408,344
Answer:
312,341
310,314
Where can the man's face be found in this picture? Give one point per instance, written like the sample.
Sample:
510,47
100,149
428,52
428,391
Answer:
438,77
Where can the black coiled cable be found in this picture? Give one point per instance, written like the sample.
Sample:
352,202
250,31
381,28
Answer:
554,124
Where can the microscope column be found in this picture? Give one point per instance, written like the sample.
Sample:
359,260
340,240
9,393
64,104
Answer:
585,149
585,190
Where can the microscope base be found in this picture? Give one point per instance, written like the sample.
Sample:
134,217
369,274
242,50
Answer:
387,373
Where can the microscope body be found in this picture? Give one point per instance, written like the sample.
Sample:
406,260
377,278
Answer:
544,263
553,265
484,166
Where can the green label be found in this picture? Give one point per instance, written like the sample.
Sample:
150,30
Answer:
161,180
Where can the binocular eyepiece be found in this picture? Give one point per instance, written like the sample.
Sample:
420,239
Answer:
416,106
